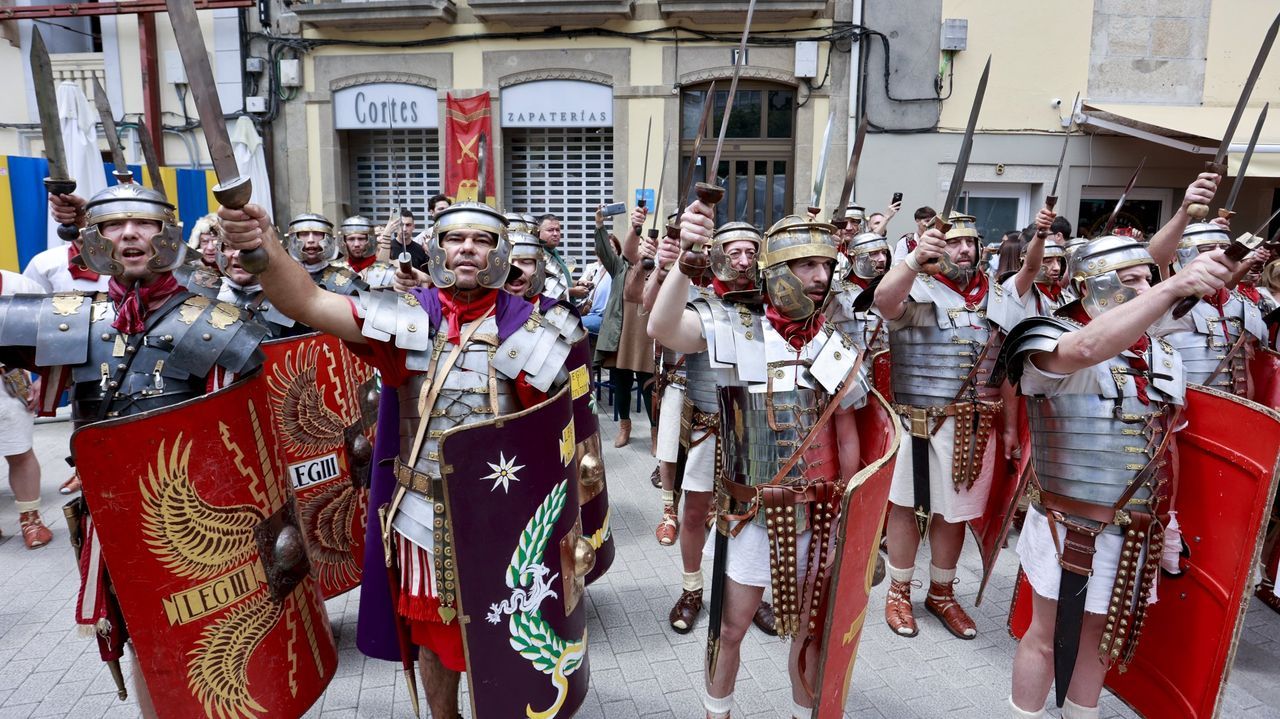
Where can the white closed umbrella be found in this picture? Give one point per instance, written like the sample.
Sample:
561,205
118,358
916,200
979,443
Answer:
252,163
80,141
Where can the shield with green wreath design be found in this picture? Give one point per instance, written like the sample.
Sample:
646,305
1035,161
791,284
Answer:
519,559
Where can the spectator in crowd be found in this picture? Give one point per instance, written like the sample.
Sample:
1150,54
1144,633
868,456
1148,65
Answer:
924,218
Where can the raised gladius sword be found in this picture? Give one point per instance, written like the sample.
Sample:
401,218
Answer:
1051,199
233,190
1115,211
1227,210
1218,164
57,182
943,219
121,171
820,175
149,156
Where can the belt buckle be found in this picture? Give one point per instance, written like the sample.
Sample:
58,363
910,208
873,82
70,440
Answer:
919,417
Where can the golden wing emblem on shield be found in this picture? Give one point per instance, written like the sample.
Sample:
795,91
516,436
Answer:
327,520
310,427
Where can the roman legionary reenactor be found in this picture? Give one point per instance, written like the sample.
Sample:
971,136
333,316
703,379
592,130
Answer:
944,334
481,533
201,273
868,258
1219,335
1046,293
243,290
125,355
359,253
311,242
788,386
732,267
1103,406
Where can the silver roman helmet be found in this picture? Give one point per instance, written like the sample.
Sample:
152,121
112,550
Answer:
356,225
1095,272
470,216
721,265
794,238
130,201
312,222
1199,237
523,236
1053,252
863,249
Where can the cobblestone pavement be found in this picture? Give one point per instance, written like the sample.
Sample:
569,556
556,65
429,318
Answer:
640,668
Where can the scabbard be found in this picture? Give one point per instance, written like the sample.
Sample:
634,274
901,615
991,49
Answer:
1072,589
920,481
715,608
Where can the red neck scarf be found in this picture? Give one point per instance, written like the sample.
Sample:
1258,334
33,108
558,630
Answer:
1139,348
797,333
77,271
135,303
974,293
1052,290
459,312
1250,291
1219,300
359,264
722,288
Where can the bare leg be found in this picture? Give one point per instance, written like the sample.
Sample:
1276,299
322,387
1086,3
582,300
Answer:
693,529
667,476
1090,672
140,694
1033,661
24,476
798,694
440,684
903,537
946,539
740,602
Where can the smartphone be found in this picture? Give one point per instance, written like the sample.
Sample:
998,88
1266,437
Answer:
614,208
897,197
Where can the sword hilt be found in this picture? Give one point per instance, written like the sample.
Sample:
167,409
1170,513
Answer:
1195,210
931,266
639,229
1225,214
1236,252
647,263
66,233
1049,202
235,194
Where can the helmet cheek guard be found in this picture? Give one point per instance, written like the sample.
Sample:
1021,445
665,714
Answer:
786,293
99,253
168,250
440,275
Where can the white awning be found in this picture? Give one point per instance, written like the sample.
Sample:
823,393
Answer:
1193,129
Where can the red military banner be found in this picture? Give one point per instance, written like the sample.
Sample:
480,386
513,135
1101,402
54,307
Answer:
468,135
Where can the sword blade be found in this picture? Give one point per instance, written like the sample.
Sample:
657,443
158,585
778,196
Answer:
186,28
149,156
100,100
1115,213
715,608
482,177
733,87
697,143
1062,157
851,174
47,107
1263,227
821,175
644,174
1066,631
966,146
1267,41
1238,180
662,180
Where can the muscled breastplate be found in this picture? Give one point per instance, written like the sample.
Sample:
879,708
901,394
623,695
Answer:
471,391
1210,344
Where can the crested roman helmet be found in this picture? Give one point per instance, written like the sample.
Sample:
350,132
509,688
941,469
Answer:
130,201
1053,252
312,222
1095,272
522,233
721,265
794,238
1199,237
863,248
470,216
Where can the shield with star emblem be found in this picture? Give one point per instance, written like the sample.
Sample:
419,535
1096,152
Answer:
511,495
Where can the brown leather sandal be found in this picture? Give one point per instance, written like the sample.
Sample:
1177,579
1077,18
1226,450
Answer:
34,533
1266,593
686,611
669,528
941,602
765,620
897,609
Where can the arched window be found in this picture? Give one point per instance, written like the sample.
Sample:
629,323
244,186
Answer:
759,148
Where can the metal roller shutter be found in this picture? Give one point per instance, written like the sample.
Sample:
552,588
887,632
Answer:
393,168
567,171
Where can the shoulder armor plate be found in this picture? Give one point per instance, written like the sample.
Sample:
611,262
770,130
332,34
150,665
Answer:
1034,334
